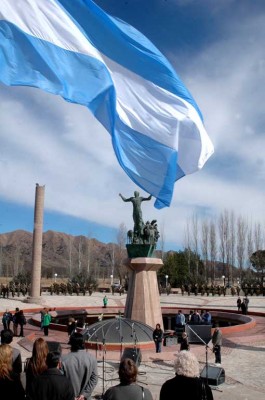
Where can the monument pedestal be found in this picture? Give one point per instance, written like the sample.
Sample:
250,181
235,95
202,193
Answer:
143,299
34,300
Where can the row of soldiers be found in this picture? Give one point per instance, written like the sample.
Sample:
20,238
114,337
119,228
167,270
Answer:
222,290
13,289
208,289
71,288
250,290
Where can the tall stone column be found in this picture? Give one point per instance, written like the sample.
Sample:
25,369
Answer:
35,296
143,299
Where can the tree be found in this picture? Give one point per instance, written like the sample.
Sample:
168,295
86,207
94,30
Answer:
195,240
205,246
250,245
241,243
187,245
232,243
176,268
120,252
162,239
257,260
222,240
225,243
258,240
213,250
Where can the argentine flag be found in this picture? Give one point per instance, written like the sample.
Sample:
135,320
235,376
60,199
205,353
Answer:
72,48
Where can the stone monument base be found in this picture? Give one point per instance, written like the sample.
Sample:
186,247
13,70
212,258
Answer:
143,299
34,300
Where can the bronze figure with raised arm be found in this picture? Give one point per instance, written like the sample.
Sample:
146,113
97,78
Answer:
137,212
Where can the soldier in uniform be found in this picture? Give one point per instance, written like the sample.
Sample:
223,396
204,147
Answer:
70,288
23,289
18,289
77,288
12,288
63,288
51,289
90,290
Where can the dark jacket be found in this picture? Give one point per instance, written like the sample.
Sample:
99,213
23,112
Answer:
12,389
128,392
158,335
184,344
184,388
20,318
51,385
71,328
195,318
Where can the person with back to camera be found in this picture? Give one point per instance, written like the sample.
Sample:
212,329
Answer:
186,384
36,364
158,337
10,384
128,389
21,320
7,338
80,367
51,384
15,321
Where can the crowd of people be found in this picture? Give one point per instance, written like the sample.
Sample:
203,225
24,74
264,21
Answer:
51,375
18,320
242,305
186,383
195,317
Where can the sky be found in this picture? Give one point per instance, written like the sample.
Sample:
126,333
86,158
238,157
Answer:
217,49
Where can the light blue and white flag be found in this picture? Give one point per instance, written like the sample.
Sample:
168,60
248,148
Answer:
74,49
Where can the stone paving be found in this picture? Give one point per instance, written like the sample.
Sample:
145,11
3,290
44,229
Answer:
243,353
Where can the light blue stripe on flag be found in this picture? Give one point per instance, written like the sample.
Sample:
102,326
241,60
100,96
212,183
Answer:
75,50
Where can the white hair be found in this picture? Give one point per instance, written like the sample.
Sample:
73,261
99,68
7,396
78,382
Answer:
186,364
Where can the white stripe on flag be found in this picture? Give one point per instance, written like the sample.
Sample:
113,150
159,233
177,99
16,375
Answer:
47,23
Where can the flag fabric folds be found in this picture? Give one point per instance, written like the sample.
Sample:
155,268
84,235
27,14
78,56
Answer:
72,48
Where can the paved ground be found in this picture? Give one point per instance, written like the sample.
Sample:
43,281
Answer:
243,354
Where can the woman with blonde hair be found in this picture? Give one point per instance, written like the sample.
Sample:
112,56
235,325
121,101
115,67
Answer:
10,384
186,383
37,363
